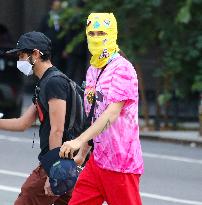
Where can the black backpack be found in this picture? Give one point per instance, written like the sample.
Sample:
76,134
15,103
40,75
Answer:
77,121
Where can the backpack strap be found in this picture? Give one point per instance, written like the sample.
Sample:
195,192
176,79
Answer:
73,86
91,113
73,106
42,85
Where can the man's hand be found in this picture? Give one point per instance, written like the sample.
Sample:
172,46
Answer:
47,188
68,148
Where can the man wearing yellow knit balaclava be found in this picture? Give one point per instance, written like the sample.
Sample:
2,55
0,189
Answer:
102,47
112,173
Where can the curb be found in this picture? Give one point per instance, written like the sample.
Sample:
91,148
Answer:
192,141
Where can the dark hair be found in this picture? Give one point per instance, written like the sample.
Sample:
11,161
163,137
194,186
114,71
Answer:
46,54
123,54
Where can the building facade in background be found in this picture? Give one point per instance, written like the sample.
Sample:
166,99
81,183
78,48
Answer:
21,16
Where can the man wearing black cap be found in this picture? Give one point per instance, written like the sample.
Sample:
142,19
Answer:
34,52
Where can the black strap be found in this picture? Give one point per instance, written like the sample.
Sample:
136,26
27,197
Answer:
73,89
91,113
73,106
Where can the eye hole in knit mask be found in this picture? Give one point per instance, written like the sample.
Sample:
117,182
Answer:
96,33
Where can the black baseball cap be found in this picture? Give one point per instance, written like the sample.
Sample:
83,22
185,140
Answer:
62,173
32,40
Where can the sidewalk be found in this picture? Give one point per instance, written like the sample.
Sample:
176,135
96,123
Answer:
187,133
184,137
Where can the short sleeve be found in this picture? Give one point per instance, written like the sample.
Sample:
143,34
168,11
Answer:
124,85
57,87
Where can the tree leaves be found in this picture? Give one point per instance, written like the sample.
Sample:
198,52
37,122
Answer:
184,15
170,29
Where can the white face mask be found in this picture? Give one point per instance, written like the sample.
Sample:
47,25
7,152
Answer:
25,67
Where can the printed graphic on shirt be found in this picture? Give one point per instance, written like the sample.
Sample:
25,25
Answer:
89,94
99,104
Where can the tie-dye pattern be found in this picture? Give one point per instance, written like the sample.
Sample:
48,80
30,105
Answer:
118,147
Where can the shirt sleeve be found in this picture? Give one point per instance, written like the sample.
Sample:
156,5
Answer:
57,87
124,85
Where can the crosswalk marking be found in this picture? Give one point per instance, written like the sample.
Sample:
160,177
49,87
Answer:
18,139
12,173
9,189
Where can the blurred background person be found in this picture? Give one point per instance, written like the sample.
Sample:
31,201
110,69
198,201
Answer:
11,80
76,47
72,63
5,37
50,26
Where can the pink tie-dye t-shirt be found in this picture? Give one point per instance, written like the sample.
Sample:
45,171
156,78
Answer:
118,147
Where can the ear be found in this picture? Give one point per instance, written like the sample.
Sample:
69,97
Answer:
36,54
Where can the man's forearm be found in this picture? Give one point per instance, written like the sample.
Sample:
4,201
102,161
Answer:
55,139
101,124
11,124
22,123
95,129
84,150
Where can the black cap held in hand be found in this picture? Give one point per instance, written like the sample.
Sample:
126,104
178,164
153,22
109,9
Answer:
32,40
62,172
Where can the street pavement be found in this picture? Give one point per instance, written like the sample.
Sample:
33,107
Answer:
173,171
17,160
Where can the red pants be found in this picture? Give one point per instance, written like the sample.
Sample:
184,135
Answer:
96,185
32,191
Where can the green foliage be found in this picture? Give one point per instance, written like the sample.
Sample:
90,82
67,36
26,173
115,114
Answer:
164,97
184,15
75,41
171,29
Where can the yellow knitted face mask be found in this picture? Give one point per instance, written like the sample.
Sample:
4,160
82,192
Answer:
101,47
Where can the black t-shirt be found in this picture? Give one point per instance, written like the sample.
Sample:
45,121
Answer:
59,88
